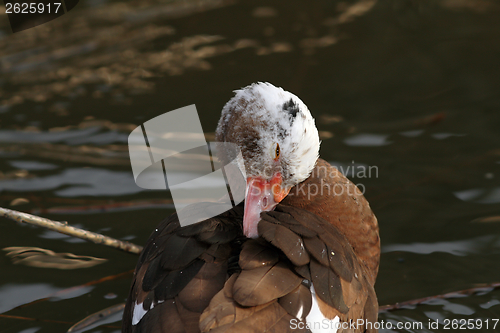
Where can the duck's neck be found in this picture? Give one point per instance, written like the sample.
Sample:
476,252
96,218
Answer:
329,194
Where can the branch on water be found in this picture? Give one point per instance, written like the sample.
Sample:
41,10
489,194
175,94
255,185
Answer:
44,320
35,319
454,294
97,317
66,229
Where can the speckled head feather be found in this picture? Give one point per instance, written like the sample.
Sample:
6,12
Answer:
260,117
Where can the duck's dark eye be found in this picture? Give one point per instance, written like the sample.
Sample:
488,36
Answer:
277,151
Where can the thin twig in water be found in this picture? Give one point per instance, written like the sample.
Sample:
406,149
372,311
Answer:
66,229
96,317
454,294
133,248
43,320
35,319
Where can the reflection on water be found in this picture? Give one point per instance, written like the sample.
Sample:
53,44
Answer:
490,304
12,295
70,137
454,308
367,140
442,136
437,315
407,87
32,165
73,182
484,244
480,195
30,330
412,134
44,258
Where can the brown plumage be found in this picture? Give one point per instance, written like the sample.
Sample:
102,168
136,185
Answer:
210,278
312,252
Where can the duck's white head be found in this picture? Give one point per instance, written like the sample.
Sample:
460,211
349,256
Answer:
279,142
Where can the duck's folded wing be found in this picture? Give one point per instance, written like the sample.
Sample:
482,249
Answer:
301,276
179,272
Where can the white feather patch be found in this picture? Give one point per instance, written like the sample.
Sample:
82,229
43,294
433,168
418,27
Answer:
317,322
139,311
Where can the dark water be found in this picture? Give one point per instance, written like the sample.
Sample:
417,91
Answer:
406,89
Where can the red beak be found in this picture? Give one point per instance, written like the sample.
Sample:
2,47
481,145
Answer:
261,196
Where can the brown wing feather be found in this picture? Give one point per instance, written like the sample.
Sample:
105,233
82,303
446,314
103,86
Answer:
196,295
268,292
298,303
327,285
286,240
317,249
255,254
264,284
